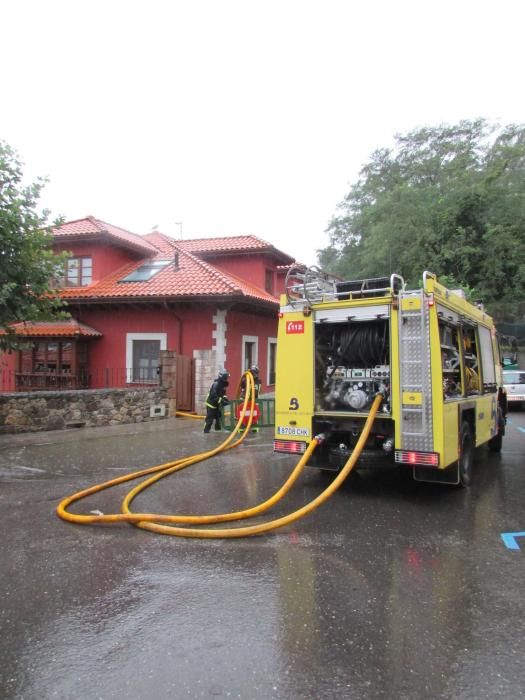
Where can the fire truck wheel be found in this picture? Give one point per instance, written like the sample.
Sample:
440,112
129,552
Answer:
466,455
496,443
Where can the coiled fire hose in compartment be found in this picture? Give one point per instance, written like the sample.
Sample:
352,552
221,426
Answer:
171,524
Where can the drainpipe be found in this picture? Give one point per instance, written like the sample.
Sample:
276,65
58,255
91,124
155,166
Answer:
180,322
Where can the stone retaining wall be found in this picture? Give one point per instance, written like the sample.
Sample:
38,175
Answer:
56,410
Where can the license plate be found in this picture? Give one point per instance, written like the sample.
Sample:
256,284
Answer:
286,430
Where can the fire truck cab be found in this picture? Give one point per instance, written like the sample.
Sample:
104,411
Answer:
432,355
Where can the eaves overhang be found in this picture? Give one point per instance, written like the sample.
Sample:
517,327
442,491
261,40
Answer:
184,299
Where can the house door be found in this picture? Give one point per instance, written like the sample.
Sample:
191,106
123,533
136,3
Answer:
185,383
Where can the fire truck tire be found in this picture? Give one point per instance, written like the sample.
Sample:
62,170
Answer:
496,443
466,455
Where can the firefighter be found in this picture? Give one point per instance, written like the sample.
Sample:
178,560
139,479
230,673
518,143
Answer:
254,371
215,400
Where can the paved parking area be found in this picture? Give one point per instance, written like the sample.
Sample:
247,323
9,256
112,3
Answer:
391,590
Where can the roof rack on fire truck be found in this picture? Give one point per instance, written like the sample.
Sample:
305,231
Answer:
313,285
309,284
371,287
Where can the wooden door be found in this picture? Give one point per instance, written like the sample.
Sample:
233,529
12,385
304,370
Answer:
185,383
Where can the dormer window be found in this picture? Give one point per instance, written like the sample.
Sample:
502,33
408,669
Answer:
146,272
79,272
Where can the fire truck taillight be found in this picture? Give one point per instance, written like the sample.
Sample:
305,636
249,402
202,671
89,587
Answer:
293,446
424,459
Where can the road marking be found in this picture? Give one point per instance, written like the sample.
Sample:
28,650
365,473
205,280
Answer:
520,428
509,538
30,469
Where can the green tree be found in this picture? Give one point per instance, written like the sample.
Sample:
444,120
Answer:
27,263
450,199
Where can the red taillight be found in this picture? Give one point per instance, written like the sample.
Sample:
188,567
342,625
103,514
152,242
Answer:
426,459
293,446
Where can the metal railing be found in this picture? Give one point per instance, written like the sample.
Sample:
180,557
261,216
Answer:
312,285
100,378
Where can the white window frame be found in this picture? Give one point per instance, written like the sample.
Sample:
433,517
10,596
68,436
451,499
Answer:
271,341
130,337
249,339
80,262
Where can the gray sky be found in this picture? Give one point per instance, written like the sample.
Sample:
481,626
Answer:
238,117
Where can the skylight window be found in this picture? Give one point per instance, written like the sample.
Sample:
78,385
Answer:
146,272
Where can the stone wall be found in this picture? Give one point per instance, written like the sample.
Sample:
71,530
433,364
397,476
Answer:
55,410
205,373
168,362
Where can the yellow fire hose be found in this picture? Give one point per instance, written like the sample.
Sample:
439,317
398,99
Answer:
174,465
151,521
185,414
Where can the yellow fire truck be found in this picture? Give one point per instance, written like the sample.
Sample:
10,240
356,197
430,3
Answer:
432,355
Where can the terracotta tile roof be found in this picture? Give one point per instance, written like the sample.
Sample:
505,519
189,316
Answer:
90,228
162,243
232,244
67,328
191,277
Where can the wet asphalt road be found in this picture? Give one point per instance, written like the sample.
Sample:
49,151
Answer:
391,590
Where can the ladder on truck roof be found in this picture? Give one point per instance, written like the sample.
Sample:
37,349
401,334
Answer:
415,373
309,284
312,285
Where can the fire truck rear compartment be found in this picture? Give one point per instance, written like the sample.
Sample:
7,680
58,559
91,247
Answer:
352,364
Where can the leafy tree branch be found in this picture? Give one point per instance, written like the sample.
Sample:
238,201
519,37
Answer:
27,263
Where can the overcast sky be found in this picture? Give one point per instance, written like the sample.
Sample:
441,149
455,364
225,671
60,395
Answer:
235,117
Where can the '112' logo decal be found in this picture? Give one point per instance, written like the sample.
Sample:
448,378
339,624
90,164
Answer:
295,326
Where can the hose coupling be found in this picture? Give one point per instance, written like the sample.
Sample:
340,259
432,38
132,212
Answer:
322,437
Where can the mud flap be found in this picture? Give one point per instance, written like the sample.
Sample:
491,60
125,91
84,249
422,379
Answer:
450,475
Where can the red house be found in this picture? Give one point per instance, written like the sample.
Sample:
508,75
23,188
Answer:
213,301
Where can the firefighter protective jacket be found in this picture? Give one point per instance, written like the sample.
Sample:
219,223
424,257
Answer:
217,394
